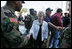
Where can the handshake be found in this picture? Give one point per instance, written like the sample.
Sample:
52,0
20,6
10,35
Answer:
27,37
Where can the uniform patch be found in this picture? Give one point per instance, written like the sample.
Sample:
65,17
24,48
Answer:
13,20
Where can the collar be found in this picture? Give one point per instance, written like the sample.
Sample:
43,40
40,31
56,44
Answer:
47,15
39,23
32,15
10,8
57,14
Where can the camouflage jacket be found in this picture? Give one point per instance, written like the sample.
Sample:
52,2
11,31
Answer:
10,35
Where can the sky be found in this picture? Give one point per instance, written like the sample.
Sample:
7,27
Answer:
42,5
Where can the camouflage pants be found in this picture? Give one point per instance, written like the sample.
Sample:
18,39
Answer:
6,44
66,39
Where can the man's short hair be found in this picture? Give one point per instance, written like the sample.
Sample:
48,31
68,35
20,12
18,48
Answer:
59,10
31,9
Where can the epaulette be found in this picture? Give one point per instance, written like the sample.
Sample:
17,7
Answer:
8,14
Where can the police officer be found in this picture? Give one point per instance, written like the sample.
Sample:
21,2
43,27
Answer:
10,35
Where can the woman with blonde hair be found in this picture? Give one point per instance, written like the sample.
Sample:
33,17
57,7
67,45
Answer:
39,30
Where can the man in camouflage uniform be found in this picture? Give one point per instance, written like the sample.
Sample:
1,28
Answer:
66,38
32,15
10,35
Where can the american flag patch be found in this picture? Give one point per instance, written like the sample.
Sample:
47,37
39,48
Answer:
13,20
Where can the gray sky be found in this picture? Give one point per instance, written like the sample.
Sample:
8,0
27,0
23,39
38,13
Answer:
42,5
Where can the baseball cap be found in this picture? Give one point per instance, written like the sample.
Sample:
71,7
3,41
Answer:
49,9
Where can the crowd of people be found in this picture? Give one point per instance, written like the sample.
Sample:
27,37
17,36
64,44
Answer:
39,27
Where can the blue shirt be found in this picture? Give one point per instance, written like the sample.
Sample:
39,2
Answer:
47,18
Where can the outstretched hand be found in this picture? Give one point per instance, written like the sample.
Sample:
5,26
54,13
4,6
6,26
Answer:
59,28
27,37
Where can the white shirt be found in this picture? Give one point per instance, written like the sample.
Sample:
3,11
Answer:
35,29
22,29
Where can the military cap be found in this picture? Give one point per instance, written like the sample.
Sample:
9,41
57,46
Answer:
23,2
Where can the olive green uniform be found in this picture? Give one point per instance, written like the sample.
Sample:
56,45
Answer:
10,35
